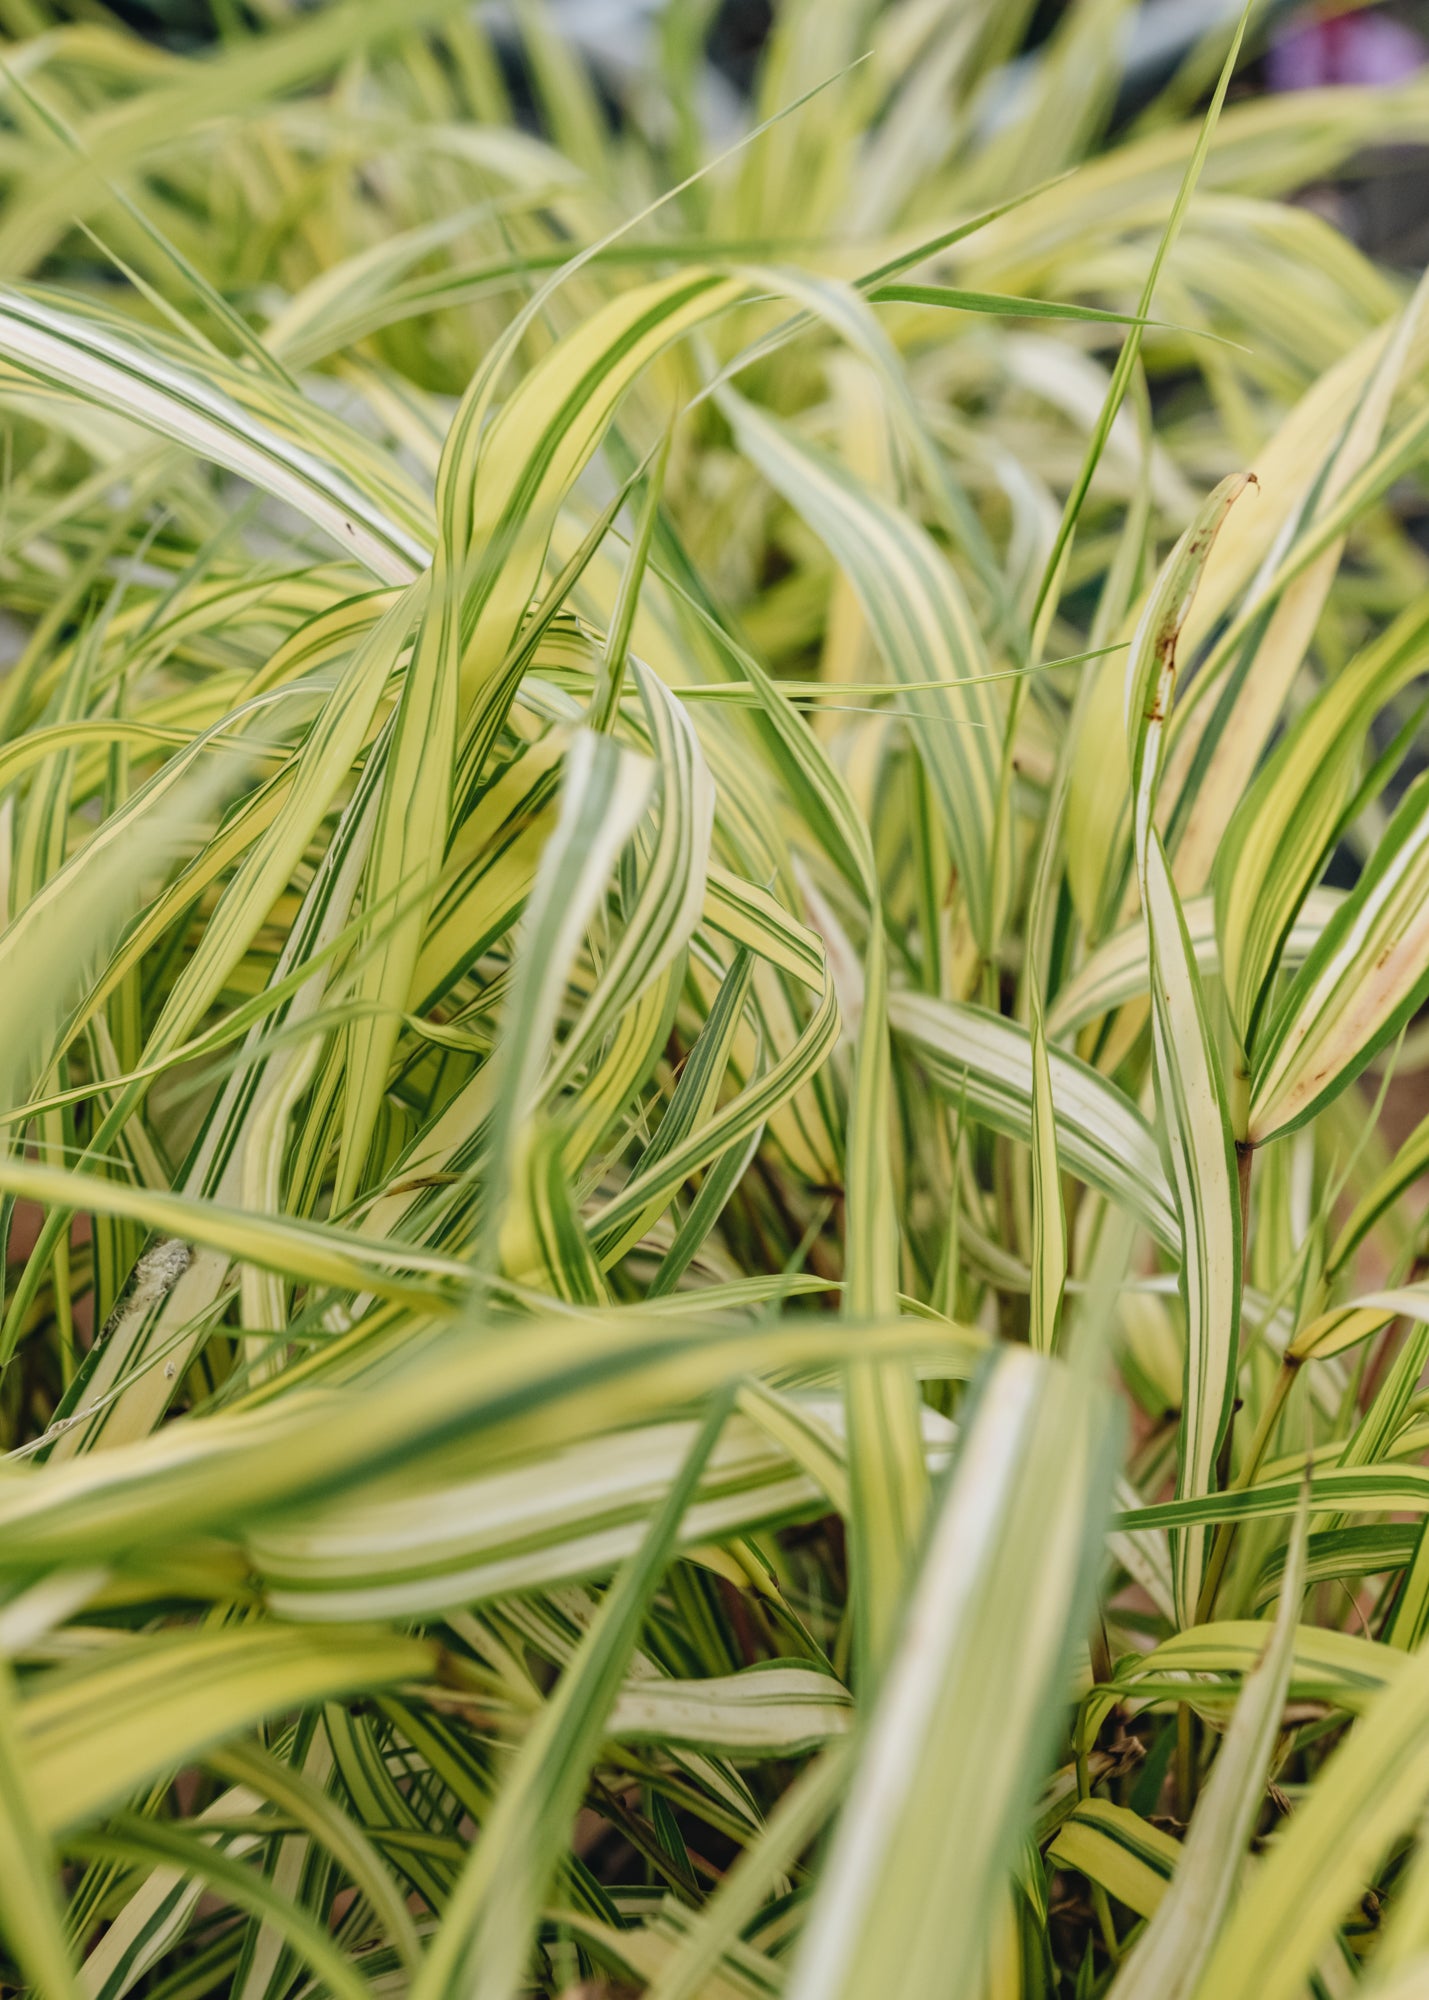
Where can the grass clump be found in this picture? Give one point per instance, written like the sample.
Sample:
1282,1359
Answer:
712,944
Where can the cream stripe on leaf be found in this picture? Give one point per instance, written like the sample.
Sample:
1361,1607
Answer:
1289,817
922,626
1131,1859
69,355
1189,1080
986,1060
605,793
1176,1944
1118,970
939,1790
1366,976
1049,1223
500,484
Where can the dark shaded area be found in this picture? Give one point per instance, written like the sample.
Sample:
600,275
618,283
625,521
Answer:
1381,202
737,37
183,24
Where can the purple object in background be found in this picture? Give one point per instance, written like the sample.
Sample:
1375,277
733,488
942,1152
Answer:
1362,47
